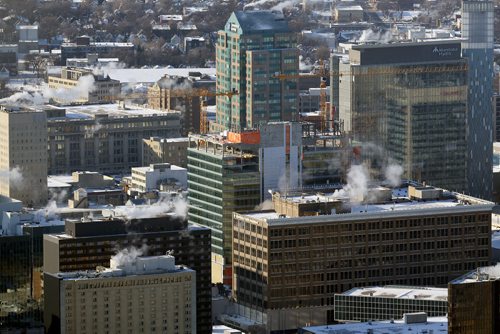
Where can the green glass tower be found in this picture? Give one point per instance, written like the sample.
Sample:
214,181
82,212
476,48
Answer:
253,47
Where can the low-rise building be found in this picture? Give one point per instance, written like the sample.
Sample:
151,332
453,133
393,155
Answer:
346,14
98,89
389,302
411,323
147,179
142,294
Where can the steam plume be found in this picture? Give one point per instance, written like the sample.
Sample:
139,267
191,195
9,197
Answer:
128,255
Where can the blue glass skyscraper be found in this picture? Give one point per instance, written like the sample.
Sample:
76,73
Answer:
477,32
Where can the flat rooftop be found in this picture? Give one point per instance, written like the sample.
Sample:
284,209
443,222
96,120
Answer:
83,112
400,292
439,325
378,201
152,75
481,274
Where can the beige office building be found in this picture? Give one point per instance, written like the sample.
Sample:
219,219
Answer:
142,295
23,155
157,150
98,89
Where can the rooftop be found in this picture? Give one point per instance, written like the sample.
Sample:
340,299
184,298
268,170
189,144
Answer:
152,75
400,292
376,201
127,263
261,20
439,325
107,110
481,274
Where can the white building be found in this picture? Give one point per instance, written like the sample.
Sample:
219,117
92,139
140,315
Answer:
147,179
137,295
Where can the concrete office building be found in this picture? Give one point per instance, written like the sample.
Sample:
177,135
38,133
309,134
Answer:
289,263
389,302
23,155
410,99
98,88
28,38
147,179
157,150
86,245
252,48
473,302
145,295
477,47
104,138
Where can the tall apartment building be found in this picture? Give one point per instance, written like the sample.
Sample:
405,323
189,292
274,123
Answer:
410,99
289,263
157,150
99,89
234,173
104,138
252,48
477,47
85,245
473,306
144,295
23,155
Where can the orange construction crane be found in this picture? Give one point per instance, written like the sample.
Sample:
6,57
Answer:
323,74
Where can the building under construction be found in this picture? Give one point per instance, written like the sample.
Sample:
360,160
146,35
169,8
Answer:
234,171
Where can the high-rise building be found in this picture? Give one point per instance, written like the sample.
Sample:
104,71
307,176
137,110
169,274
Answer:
289,263
137,295
410,100
235,172
473,306
223,177
252,48
23,155
85,245
477,47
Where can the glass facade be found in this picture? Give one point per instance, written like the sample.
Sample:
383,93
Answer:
477,31
218,186
416,114
364,308
250,51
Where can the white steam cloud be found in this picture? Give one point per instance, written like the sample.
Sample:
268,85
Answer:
177,205
370,35
128,255
266,205
393,173
84,86
51,210
14,175
357,183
